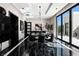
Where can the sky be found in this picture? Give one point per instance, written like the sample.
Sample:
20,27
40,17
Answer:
59,20
75,9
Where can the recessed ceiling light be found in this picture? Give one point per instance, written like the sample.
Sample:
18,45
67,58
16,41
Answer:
22,8
39,6
27,15
56,8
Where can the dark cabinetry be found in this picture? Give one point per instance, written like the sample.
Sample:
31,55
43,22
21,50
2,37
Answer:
5,28
14,29
8,27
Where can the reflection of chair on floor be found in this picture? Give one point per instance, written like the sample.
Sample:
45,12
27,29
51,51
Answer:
32,50
30,41
49,51
32,46
49,38
40,49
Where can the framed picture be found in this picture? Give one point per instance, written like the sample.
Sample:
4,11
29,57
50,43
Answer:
21,25
38,27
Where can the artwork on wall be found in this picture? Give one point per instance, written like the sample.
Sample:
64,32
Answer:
38,26
49,26
21,25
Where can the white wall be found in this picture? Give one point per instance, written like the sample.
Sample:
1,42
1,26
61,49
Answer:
53,22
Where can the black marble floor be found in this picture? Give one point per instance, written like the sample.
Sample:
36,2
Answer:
55,48
52,49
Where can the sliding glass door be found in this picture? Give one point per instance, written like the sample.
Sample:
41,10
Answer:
65,26
75,25
59,27
68,26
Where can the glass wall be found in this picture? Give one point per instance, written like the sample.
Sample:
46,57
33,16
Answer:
75,25
69,23
65,26
59,27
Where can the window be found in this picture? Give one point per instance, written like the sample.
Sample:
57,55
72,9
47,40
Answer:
75,25
59,27
65,26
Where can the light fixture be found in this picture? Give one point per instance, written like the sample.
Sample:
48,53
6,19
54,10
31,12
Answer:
40,17
56,8
40,12
27,15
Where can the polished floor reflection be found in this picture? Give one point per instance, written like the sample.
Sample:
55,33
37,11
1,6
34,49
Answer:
55,48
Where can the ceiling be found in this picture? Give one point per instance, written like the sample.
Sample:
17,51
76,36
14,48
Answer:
36,10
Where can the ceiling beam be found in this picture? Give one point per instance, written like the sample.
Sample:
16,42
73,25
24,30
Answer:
48,8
